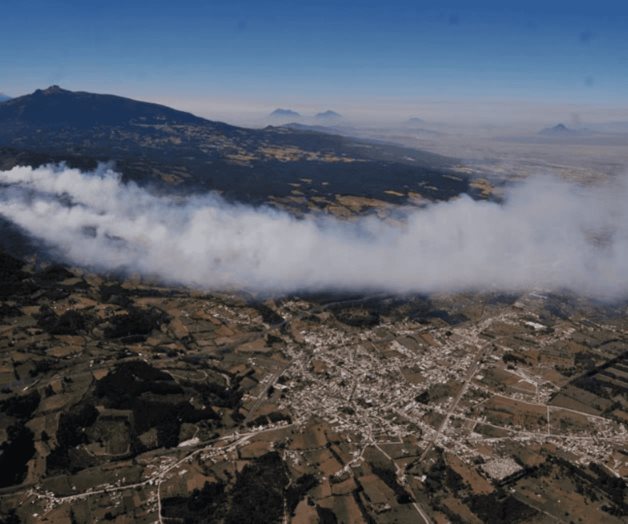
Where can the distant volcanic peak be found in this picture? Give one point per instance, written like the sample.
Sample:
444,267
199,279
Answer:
328,115
284,113
52,90
558,129
415,120
4,98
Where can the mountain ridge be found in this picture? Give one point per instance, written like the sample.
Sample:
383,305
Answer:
155,144
83,108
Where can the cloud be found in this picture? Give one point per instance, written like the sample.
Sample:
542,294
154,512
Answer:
546,234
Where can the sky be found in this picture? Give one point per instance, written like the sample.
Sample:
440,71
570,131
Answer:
371,57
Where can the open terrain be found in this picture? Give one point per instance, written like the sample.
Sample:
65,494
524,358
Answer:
130,402
126,400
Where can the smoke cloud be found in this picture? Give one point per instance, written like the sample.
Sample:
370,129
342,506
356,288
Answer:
546,234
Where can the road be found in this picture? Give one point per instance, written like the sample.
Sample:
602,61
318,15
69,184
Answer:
473,369
400,475
160,476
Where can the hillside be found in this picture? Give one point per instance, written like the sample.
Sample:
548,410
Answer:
158,144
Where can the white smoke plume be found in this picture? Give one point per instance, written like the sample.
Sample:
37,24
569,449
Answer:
547,234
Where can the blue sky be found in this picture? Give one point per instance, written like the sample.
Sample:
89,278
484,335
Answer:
208,55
